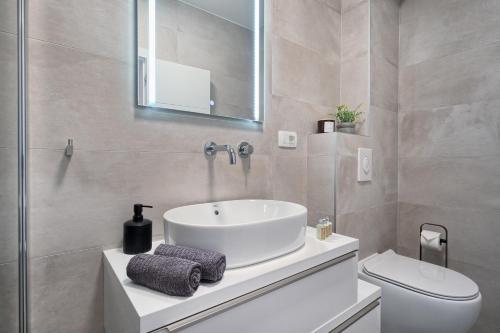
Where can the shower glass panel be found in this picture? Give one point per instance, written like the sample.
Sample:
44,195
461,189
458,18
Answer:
9,273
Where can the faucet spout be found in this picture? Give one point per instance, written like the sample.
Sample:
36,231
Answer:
232,155
211,149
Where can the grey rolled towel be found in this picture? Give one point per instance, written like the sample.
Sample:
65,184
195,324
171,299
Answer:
170,275
213,264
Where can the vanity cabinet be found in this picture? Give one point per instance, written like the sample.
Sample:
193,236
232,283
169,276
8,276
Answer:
368,322
297,305
314,289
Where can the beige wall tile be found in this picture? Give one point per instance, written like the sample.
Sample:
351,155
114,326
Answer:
289,179
8,16
99,27
462,25
8,167
303,75
324,144
384,125
321,184
460,78
374,227
356,31
335,4
313,24
384,32
9,292
467,182
451,131
8,204
66,293
8,89
348,5
384,84
385,151
413,10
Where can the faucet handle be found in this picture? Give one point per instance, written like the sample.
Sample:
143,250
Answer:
245,149
210,148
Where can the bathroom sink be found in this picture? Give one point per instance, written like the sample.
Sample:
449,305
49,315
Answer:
246,231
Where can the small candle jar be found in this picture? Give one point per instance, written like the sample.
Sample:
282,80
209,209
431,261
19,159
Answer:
326,126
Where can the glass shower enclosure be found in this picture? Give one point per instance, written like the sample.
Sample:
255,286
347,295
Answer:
13,236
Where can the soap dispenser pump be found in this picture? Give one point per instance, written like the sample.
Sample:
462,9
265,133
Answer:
138,232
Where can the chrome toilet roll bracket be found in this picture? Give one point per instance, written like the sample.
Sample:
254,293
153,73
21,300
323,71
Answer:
441,241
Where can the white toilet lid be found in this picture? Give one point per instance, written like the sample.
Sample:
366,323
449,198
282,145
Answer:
421,276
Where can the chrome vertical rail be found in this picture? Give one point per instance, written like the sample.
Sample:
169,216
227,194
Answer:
22,170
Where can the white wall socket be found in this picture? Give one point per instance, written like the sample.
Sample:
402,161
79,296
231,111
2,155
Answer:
287,139
365,164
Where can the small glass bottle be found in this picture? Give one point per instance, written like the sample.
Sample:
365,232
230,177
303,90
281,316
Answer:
321,230
329,226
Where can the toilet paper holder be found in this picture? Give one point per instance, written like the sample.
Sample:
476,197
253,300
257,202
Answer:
441,241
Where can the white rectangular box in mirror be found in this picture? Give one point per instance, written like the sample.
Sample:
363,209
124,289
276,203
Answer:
202,57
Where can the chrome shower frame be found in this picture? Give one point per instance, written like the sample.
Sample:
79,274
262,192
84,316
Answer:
22,169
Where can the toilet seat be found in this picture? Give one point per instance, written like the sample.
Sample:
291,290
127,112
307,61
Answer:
421,277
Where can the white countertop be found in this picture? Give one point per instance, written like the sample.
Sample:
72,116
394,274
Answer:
157,309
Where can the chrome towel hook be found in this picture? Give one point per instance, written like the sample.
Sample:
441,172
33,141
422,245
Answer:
68,151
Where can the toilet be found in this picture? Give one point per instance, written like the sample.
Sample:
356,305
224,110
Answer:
421,297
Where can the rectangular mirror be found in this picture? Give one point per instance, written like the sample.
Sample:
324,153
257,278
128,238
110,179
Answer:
201,56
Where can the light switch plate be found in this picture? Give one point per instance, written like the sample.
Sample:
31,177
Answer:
287,139
365,164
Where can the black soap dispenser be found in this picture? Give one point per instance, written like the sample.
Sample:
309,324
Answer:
138,232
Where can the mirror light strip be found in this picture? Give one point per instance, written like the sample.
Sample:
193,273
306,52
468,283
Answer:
151,63
257,52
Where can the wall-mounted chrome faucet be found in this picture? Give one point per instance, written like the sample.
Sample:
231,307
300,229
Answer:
211,148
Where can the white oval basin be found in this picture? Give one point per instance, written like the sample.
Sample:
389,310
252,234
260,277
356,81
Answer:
246,231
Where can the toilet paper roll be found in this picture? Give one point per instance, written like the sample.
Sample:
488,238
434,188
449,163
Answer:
431,240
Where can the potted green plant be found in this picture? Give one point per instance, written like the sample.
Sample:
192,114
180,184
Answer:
347,118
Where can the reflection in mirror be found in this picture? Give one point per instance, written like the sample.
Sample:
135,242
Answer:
201,56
